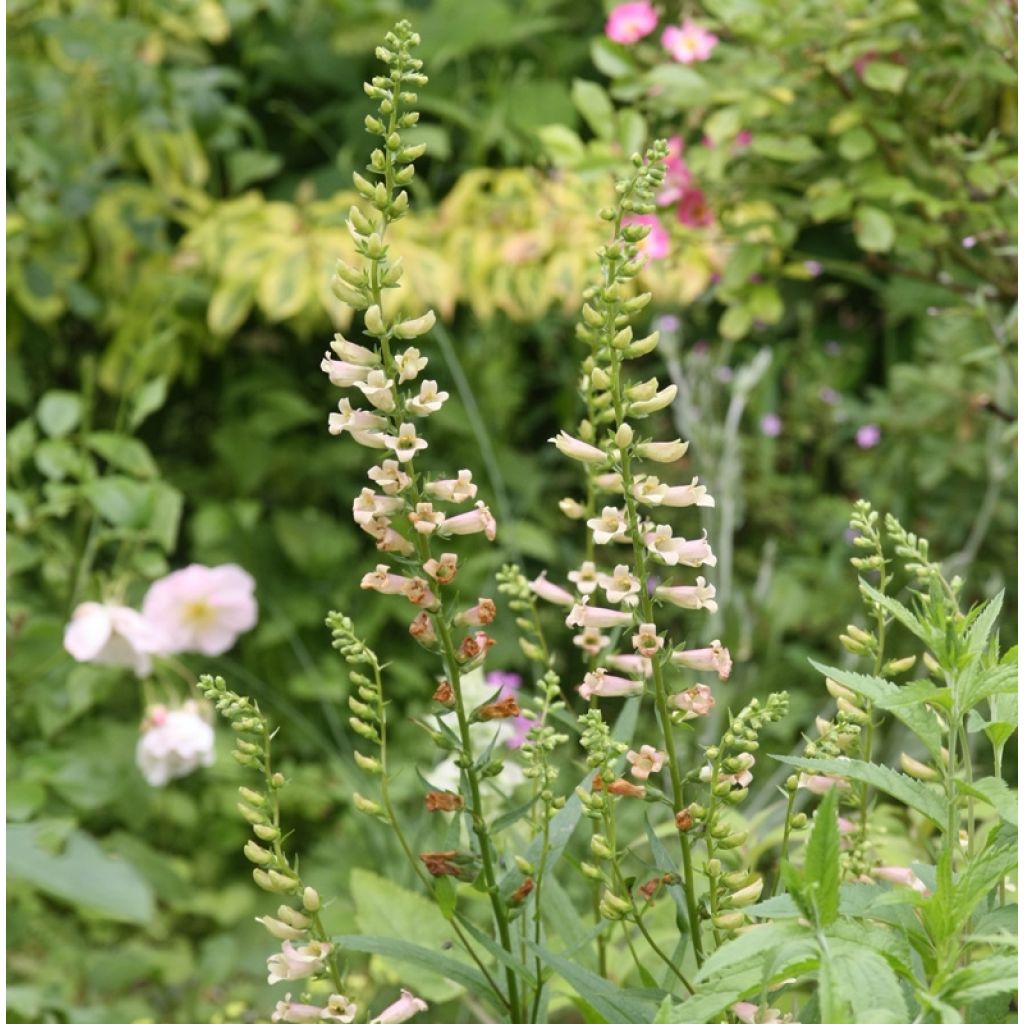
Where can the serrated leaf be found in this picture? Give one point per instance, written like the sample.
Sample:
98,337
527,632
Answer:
821,860
993,975
866,982
751,944
898,611
911,792
995,793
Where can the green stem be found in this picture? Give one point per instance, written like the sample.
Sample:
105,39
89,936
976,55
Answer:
637,917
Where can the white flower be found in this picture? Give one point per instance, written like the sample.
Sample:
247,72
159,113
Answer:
173,744
341,373
548,591
428,400
662,451
621,587
585,578
371,505
348,418
650,490
202,609
409,363
297,961
401,1010
406,444
358,354
609,526
424,519
583,614
576,449
378,389
113,635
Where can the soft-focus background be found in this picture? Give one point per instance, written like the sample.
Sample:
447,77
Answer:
838,308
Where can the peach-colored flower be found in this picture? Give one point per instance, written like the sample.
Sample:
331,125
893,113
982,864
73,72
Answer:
383,581
479,520
634,663
600,684
456,491
694,702
202,609
688,43
355,420
630,22
401,1010
297,961
648,759
442,569
389,477
428,400
687,495
706,659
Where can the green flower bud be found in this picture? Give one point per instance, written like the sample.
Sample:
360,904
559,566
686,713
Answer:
591,870
368,764
256,854
599,847
268,833
281,882
524,865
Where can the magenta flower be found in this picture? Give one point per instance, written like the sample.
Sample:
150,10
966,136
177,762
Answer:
688,43
771,425
693,209
869,435
656,245
629,23
677,174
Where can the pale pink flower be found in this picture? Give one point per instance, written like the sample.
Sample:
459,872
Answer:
388,538
900,876
348,418
339,1009
628,23
706,659
548,591
428,400
591,641
297,961
585,577
576,449
583,614
635,663
417,591
442,569
424,519
688,43
110,634
622,587
694,598
693,209
686,495
406,444
743,777
610,482
600,684
401,1010
677,550
646,641
609,526
476,521
456,491
649,489
646,760
749,1013
371,505
173,743
383,581
694,702
869,435
657,244
202,609
389,477
819,785
341,373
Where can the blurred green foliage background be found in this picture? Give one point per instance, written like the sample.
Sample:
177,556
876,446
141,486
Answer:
178,177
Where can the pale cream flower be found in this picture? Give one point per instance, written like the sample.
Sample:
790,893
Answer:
406,444
576,449
646,641
621,587
409,363
378,389
701,596
424,519
609,526
351,419
687,495
456,491
389,477
428,400
585,578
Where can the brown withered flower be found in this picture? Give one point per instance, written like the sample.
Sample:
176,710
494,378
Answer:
440,801
444,694
441,863
522,892
507,707
620,787
684,821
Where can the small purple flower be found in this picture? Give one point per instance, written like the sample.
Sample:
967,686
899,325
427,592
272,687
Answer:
829,396
969,242
850,535
510,682
652,583
771,424
869,435
668,323
813,267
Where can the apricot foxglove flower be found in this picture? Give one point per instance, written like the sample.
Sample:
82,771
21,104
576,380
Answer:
389,477
409,363
428,400
174,743
401,1010
701,596
600,683
383,581
406,444
202,609
621,587
576,449
583,614
548,591
693,702
482,613
339,1009
610,525
649,490
900,876
819,785
378,389
456,491
591,641
662,451
347,418
706,659
644,761
297,961
442,569
113,635
635,663
281,929
343,374
679,551
371,505
479,520
627,23
688,43
687,495
369,438
417,591
646,641
585,578
425,519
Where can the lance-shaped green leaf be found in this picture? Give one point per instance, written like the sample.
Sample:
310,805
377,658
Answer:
821,860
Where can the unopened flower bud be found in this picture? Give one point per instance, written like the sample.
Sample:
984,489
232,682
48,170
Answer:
368,764
524,865
366,806
737,796
624,435
292,917
268,833
730,921
251,796
747,895
256,854
281,882
837,691
798,821
916,770
590,870
571,509
408,329
897,666
852,712
599,847
250,814
714,867
614,907
310,899
732,841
